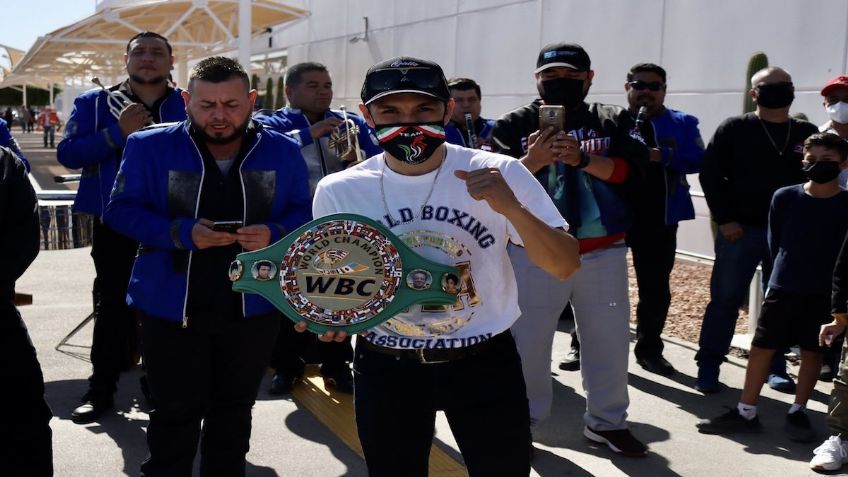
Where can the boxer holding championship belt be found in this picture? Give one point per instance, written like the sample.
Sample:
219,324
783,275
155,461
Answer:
343,272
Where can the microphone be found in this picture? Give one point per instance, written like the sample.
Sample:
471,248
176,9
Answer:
472,134
644,127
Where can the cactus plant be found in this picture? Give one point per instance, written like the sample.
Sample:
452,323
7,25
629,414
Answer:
281,97
269,94
758,61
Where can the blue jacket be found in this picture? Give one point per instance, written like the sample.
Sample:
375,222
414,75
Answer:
93,142
294,124
157,196
454,135
682,149
7,140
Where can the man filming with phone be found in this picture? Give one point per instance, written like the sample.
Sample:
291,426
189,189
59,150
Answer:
589,168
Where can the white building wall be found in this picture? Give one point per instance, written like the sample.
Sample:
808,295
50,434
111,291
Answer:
704,46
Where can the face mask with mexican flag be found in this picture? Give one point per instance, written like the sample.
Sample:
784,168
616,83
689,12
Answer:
412,143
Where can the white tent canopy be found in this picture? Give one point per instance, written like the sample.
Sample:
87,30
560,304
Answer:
95,45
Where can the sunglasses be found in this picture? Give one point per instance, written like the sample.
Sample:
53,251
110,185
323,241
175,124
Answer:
396,79
643,85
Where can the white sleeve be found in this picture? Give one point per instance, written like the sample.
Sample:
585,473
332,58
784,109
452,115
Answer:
322,201
532,195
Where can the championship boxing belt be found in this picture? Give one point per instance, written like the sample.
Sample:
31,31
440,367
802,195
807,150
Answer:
343,272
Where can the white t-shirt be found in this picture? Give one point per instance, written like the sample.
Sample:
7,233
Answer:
452,228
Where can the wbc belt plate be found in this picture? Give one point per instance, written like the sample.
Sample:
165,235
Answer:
342,272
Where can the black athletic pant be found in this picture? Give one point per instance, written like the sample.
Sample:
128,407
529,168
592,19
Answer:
27,450
208,375
115,338
653,248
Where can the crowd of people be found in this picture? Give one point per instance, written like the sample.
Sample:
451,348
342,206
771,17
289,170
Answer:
562,204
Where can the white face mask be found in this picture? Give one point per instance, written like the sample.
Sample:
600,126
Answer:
838,112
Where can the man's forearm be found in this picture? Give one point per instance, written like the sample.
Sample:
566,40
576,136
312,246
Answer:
552,249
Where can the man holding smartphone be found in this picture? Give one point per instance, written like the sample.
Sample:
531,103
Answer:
206,347
590,170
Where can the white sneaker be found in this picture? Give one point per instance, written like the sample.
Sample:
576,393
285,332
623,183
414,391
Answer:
830,455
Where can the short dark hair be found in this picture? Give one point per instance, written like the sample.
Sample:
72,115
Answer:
150,34
294,73
646,68
217,69
828,141
465,84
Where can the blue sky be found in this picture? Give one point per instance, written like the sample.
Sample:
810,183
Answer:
25,20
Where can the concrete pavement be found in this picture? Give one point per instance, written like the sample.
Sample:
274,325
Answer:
289,441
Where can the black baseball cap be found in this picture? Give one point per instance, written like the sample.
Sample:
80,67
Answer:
569,55
405,74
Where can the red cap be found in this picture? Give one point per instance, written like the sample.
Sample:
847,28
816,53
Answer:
840,81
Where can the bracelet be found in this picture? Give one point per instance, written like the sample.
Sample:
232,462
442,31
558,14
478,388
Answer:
585,159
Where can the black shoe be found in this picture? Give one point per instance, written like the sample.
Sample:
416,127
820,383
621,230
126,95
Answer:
91,410
282,383
571,362
798,427
826,373
730,422
341,380
656,365
710,389
620,441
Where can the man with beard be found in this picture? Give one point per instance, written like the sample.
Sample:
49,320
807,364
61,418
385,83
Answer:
309,120
676,149
589,170
205,347
94,141
747,160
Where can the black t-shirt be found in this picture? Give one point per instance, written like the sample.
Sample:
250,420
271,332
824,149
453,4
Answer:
746,161
805,235
211,299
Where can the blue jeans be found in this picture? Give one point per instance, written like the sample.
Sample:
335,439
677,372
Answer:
733,270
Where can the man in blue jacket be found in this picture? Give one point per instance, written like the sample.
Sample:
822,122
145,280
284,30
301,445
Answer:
6,140
309,120
467,96
95,136
205,347
676,149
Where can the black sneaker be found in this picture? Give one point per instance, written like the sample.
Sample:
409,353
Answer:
798,427
620,441
729,423
571,362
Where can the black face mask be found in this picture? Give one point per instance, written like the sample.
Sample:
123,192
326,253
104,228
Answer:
412,143
563,91
822,172
775,96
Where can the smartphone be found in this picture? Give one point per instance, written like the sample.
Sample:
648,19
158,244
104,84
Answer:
227,226
552,116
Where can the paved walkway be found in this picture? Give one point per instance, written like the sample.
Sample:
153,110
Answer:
288,440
